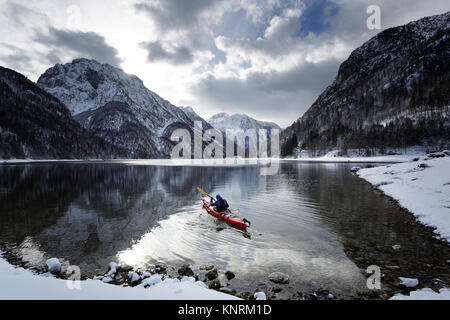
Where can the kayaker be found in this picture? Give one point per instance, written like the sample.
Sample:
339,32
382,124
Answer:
221,204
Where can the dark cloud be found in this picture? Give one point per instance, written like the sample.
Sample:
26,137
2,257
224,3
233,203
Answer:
276,95
350,21
16,61
285,96
175,14
19,14
189,20
174,54
81,44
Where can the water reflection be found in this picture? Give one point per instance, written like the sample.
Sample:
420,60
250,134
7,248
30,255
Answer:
306,221
88,213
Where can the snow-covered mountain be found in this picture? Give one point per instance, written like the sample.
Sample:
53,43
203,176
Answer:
116,106
393,91
34,124
189,111
236,125
224,122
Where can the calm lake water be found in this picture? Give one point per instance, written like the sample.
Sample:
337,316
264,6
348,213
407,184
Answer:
310,221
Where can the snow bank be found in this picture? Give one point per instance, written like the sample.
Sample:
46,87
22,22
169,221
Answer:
376,159
422,187
21,284
424,294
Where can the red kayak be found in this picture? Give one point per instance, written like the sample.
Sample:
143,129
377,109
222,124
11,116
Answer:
227,216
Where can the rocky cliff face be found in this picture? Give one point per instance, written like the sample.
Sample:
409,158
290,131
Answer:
34,124
393,91
116,107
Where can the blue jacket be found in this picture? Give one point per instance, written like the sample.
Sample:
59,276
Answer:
221,204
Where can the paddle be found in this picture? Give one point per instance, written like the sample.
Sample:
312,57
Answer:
204,193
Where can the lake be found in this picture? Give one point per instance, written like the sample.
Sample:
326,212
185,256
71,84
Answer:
316,222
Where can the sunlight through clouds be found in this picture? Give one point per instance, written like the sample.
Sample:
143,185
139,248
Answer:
204,53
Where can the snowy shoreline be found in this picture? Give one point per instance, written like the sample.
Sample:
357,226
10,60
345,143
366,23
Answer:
378,159
23,284
422,186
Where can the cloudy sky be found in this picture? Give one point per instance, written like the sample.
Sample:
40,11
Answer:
267,58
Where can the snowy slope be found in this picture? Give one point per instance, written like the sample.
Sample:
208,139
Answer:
237,125
425,294
116,106
88,85
190,112
223,122
422,187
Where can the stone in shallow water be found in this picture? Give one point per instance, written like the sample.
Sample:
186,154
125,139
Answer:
160,269
230,275
215,284
228,291
279,277
276,289
409,283
393,267
244,295
112,269
53,265
207,268
125,267
211,275
186,270
260,296
134,277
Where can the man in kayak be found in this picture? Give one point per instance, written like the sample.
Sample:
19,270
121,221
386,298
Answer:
221,204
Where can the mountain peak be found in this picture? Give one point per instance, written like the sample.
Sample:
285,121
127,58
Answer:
86,60
116,106
219,116
389,45
223,121
391,92
85,85
187,109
